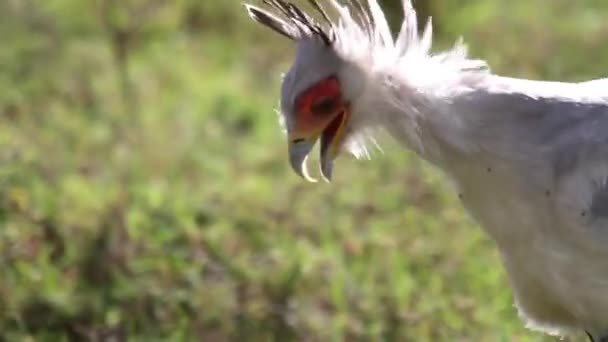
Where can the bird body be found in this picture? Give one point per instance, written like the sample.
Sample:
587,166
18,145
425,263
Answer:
531,170
529,158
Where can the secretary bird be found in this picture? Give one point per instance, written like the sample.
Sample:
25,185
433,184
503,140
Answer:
529,158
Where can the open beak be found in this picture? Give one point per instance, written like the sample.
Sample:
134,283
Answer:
331,138
298,153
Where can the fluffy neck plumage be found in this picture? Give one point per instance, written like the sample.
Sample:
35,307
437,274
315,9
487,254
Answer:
405,89
412,101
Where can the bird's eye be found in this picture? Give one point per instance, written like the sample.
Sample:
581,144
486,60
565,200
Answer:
324,105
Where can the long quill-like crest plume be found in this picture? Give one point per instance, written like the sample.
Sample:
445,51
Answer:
358,27
297,24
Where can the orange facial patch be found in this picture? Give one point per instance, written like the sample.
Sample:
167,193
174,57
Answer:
316,106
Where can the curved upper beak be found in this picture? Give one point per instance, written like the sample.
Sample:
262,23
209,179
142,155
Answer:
331,138
298,153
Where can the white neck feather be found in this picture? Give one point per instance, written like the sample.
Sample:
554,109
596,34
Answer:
412,102
398,84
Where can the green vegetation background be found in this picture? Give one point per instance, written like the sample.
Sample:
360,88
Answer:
145,193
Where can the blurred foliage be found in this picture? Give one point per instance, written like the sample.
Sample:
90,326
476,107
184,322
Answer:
145,193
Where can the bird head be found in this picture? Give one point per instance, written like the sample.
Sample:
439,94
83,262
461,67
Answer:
317,93
315,105
350,76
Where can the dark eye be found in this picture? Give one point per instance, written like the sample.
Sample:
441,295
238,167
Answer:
324,105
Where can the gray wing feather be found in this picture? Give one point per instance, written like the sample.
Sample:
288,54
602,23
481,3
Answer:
556,134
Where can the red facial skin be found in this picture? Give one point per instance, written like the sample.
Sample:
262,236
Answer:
316,107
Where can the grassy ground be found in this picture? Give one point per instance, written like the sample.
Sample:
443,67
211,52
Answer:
145,192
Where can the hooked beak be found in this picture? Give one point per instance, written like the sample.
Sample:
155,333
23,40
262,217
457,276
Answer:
331,136
298,153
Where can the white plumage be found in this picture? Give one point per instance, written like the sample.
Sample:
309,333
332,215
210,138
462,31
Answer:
530,158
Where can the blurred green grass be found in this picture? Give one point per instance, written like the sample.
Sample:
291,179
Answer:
145,193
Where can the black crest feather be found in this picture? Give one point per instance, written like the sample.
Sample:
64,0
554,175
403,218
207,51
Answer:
291,21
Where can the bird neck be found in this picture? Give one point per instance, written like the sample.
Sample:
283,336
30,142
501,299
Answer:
417,111
410,96
408,120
